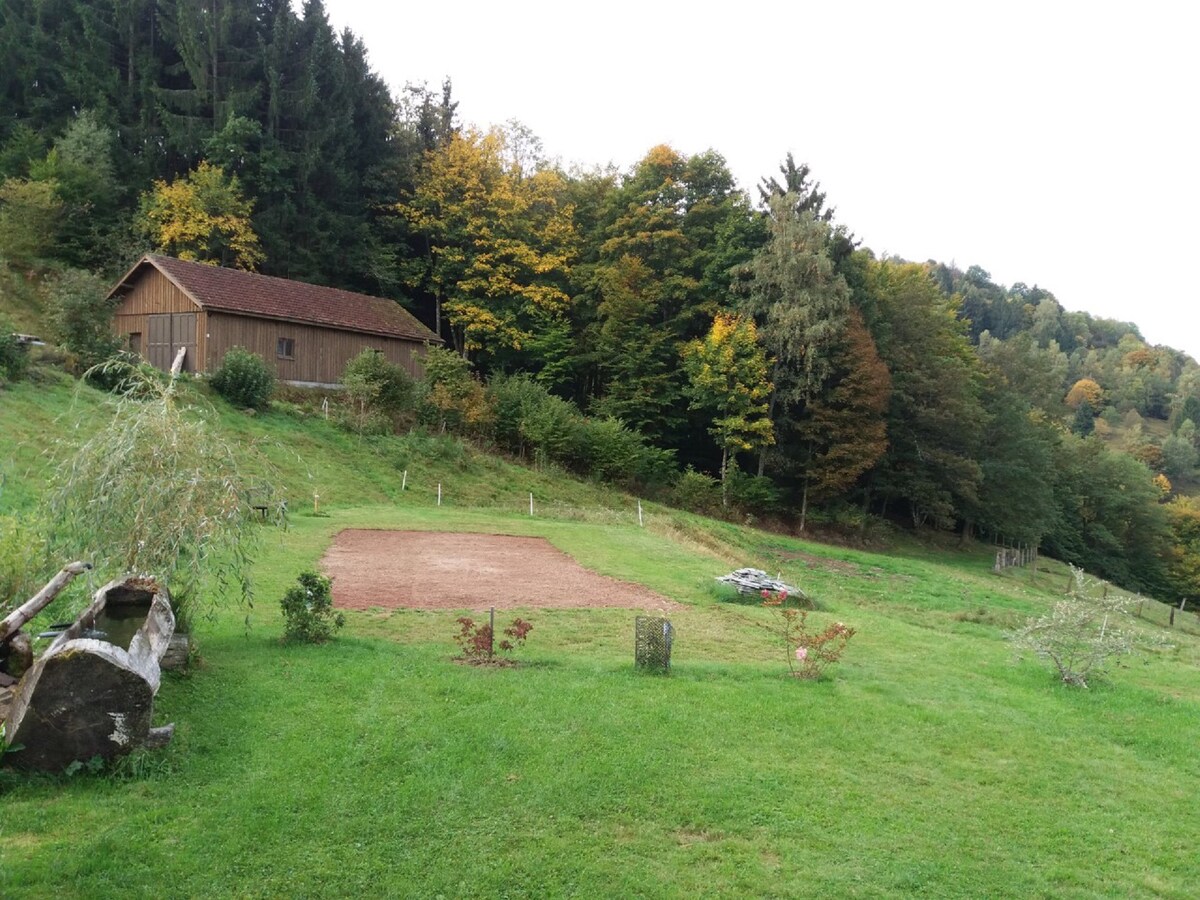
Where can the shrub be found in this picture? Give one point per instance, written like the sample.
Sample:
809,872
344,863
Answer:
808,652
377,392
452,398
13,359
308,610
752,492
244,379
534,423
394,388
697,492
1082,633
81,318
609,450
526,417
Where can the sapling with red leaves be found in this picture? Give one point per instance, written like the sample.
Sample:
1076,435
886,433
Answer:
808,651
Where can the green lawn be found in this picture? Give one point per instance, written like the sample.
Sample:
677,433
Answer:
931,761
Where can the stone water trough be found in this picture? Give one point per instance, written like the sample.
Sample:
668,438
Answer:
91,693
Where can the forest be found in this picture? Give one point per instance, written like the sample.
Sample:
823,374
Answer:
781,369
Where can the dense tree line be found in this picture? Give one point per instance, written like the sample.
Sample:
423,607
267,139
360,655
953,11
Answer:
756,340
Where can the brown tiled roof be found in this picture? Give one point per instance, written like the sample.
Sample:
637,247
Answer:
235,291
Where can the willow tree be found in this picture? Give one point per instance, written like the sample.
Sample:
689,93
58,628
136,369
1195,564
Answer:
155,491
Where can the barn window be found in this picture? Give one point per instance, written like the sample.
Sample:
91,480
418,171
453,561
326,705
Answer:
286,348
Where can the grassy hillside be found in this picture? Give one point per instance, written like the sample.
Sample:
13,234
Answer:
931,761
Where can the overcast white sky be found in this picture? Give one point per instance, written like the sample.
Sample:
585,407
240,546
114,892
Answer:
1053,143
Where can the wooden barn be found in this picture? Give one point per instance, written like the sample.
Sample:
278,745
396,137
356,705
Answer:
308,332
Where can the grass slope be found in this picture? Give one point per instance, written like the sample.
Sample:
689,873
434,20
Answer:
931,762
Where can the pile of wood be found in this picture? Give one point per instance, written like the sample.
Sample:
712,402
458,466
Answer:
755,581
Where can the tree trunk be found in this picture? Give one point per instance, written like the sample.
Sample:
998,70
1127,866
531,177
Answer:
724,472
762,451
804,503
866,506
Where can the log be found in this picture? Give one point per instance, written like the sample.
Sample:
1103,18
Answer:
18,617
88,698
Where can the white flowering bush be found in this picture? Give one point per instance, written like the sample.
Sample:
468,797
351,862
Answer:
1082,634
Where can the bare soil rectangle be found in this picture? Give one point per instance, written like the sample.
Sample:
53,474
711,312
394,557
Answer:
449,570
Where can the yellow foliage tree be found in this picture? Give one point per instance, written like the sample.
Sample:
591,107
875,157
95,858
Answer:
1183,555
1085,389
1163,483
501,241
202,217
727,370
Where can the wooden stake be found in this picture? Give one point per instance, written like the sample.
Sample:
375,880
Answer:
404,481
641,523
439,493
531,504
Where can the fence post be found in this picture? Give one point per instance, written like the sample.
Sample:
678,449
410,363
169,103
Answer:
641,523
531,503
439,493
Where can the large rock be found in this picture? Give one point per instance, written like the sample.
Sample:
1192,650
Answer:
85,697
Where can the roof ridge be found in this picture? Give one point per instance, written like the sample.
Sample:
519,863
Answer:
272,297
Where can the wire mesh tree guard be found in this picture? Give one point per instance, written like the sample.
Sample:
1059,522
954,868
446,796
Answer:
653,636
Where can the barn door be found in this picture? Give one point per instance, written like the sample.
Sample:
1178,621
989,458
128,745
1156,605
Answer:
183,334
169,332
158,342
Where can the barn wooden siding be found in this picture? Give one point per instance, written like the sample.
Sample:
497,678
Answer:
165,318
320,353
154,295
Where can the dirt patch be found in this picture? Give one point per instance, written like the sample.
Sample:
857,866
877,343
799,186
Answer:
443,570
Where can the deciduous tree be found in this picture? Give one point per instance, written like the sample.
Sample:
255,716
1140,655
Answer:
201,217
727,374
501,242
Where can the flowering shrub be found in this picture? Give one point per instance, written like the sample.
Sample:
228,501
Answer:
808,652
478,645
1081,633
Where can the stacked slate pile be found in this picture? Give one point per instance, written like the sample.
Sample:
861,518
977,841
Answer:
755,581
